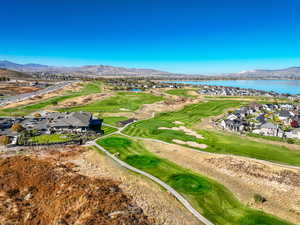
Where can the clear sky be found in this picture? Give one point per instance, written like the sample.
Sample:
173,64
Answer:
191,36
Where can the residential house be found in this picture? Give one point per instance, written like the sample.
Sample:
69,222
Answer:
270,129
78,121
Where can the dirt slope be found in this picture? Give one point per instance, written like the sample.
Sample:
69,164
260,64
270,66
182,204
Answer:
46,192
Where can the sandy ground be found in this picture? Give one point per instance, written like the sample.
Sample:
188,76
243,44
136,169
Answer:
12,89
244,177
170,104
73,87
190,143
156,202
82,100
184,129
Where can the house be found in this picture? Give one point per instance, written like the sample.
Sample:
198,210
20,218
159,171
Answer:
295,133
236,125
284,115
255,106
270,129
78,121
294,123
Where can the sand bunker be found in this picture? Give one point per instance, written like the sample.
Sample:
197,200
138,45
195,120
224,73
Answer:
123,109
190,143
184,129
178,122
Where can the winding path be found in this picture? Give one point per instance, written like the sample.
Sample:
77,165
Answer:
179,197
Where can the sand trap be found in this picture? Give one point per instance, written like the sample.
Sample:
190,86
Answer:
185,130
178,122
123,109
190,143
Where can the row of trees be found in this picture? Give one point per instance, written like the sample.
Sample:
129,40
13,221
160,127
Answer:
4,79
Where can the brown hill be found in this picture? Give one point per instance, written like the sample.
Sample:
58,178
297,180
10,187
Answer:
13,74
36,191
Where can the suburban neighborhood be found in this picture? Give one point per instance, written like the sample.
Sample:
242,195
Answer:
278,120
236,91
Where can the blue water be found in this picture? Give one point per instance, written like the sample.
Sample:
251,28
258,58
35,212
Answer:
136,89
279,86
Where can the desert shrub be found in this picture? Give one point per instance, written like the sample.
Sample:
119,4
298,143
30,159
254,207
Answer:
290,141
259,199
17,127
4,140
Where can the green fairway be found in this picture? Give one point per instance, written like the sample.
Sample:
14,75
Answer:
217,142
189,115
210,198
108,130
122,102
181,92
113,120
89,88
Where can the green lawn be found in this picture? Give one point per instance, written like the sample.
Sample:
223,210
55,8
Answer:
108,130
181,92
113,120
90,88
122,102
50,138
210,198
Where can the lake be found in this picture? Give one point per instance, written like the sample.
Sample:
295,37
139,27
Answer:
279,86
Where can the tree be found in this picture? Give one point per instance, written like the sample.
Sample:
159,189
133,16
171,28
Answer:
4,140
17,127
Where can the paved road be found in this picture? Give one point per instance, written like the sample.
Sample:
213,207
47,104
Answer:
22,97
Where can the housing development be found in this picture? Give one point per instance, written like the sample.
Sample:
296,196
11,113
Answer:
278,120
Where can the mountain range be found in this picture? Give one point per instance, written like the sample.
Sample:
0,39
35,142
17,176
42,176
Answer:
96,70
104,70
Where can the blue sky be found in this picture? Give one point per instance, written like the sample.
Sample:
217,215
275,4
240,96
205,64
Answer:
191,36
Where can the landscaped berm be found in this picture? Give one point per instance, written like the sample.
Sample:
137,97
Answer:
210,198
